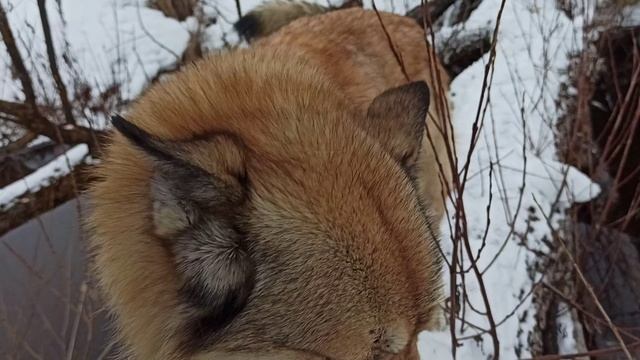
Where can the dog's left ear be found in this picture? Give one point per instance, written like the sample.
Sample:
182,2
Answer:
397,118
191,179
197,190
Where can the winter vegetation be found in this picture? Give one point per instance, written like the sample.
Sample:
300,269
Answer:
542,232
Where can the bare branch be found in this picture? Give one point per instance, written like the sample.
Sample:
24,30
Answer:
588,354
396,53
151,37
33,204
587,285
55,72
460,52
32,120
16,59
18,144
432,10
463,10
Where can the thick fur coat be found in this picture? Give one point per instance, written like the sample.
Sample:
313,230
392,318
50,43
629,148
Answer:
281,201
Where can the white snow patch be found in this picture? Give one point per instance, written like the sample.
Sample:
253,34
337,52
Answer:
58,167
567,343
40,139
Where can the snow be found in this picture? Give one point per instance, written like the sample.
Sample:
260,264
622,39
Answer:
566,338
516,142
107,39
534,43
58,167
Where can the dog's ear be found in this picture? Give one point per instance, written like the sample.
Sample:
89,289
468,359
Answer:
197,191
191,179
397,119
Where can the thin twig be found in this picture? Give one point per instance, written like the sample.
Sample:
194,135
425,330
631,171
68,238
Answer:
584,281
74,332
151,37
585,312
396,52
433,10
592,353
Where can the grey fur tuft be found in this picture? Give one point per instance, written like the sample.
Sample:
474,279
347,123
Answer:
270,17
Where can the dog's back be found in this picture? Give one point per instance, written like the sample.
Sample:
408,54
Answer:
365,55
279,202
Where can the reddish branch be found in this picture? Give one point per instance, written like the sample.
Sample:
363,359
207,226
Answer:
396,52
460,227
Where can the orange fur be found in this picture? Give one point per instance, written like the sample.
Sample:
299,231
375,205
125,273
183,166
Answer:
351,47
346,264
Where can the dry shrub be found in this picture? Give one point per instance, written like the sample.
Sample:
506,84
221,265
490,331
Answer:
177,9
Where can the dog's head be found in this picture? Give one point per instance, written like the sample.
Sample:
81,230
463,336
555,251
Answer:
320,249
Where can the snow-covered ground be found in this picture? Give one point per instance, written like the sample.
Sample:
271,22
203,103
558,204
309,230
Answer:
534,43
124,42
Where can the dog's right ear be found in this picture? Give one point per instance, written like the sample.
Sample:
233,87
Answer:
397,120
198,189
